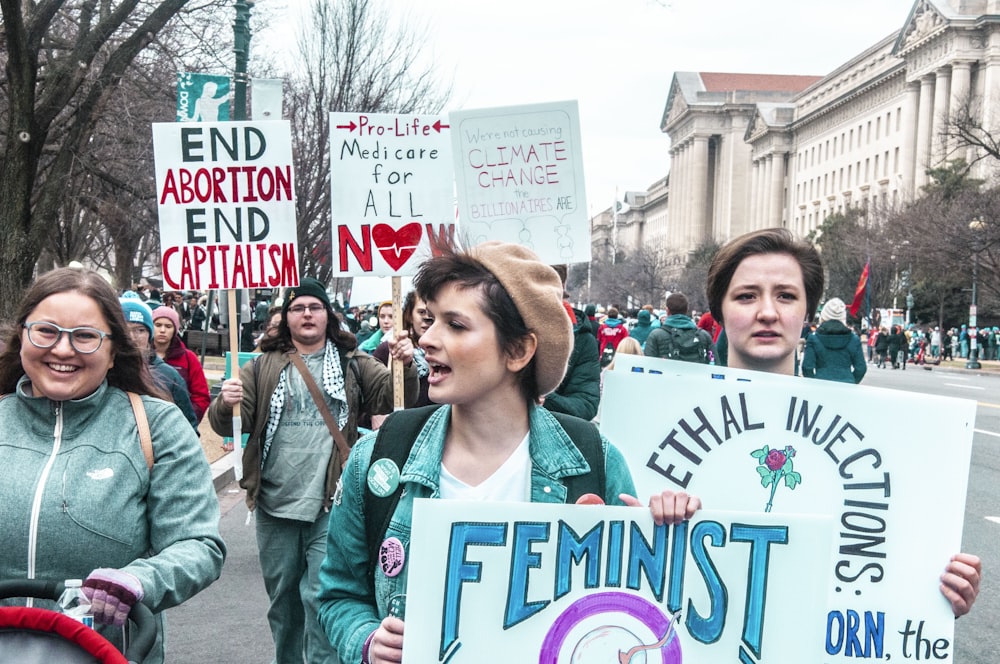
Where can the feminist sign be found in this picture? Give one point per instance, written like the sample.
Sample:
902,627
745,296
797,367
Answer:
777,444
226,201
568,584
519,173
392,192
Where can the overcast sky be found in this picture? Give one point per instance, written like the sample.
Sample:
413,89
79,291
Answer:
617,57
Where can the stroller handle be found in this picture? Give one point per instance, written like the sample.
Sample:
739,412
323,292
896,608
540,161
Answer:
141,637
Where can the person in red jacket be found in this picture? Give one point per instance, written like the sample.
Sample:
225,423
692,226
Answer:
166,324
611,332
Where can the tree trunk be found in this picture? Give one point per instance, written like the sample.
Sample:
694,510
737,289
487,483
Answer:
31,192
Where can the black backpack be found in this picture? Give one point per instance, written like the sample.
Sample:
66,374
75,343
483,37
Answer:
687,345
395,440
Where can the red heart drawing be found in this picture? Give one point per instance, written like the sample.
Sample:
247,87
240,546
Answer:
396,246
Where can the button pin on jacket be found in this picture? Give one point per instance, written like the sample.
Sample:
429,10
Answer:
391,557
383,477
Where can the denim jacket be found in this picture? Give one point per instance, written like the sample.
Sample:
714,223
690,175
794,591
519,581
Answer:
348,612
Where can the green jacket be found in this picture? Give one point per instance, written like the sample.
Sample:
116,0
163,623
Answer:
579,393
833,352
77,495
260,378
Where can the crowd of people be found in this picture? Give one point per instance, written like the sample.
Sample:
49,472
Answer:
502,383
929,344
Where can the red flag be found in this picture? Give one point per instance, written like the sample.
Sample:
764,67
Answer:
859,292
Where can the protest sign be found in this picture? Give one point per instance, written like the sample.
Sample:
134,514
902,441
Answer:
571,584
202,97
226,201
392,192
891,468
519,174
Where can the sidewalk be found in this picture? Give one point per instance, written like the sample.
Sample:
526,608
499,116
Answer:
220,460
958,366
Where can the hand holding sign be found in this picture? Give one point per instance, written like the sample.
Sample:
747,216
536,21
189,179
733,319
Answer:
667,507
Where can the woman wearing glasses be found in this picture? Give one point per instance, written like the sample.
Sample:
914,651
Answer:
78,498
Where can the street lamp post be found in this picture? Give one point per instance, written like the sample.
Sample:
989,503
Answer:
975,226
241,47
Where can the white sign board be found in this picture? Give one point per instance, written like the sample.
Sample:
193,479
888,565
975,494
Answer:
392,192
891,467
519,173
574,584
226,197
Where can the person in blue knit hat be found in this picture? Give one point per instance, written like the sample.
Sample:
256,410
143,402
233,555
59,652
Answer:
139,317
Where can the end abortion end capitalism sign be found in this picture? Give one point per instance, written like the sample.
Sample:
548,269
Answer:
226,198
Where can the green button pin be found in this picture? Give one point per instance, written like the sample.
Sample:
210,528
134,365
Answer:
383,477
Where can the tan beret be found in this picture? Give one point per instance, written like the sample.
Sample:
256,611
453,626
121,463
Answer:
536,290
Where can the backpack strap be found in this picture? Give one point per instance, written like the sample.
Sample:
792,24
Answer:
145,439
394,441
587,439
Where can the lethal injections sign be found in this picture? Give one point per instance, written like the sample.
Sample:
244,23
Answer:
890,467
519,174
226,199
392,192
573,584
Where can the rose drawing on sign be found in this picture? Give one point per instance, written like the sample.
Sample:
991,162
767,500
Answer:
774,466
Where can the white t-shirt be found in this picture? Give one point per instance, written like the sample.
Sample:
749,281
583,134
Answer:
511,482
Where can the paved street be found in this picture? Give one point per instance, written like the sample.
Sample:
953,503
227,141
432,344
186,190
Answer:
976,636
227,622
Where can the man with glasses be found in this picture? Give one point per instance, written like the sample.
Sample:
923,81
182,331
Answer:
291,463
139,318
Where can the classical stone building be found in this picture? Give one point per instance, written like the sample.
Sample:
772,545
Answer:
752,151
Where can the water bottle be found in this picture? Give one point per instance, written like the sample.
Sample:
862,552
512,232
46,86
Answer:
75,604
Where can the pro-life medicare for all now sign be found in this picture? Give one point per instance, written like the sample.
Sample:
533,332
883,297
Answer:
226,198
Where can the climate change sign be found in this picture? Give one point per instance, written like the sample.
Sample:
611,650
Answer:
895,484
519,175
572,584
226,197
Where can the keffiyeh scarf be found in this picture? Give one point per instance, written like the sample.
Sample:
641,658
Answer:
333,385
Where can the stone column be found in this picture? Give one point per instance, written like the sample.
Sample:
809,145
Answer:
758,185
682,226
679,222
777,186
699,189
961,88
673,203
990,73
925,127
750,221
766,200
907,153
942,89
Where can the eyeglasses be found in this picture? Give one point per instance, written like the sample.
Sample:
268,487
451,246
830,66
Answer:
138,331
84,340
298,309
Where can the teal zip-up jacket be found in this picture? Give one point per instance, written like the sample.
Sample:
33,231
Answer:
348,612
833,352
76,495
